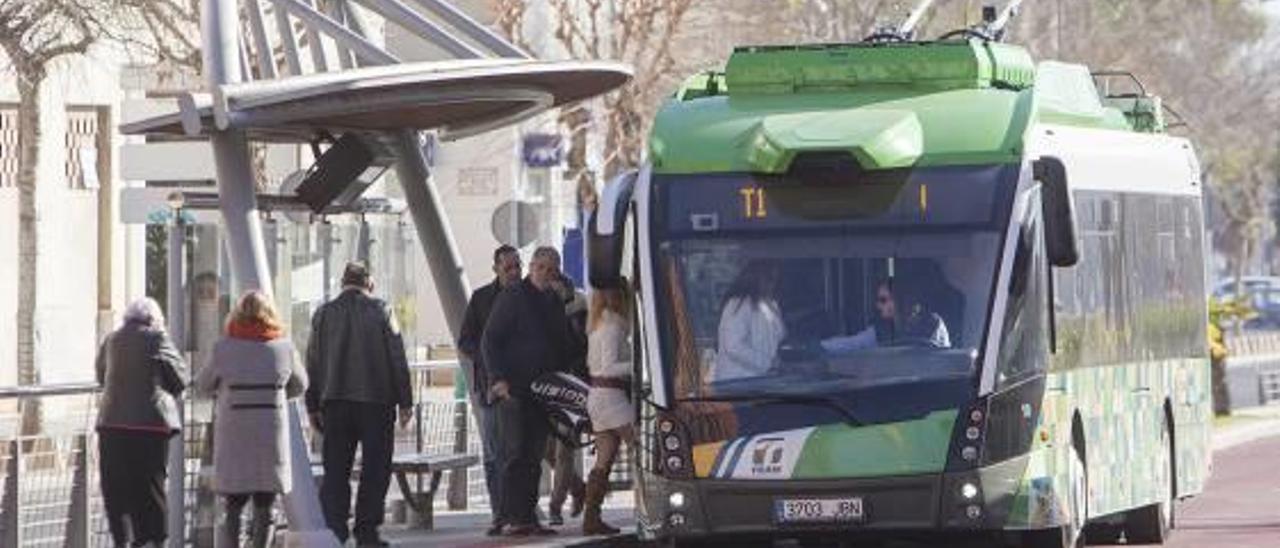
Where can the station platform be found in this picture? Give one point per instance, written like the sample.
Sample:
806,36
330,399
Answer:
466,529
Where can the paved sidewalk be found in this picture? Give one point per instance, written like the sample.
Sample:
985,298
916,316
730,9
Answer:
1246,425
466,529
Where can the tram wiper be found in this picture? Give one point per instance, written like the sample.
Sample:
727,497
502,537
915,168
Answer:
824,401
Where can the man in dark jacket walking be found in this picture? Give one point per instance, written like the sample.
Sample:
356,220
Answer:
506,270
359,375
526,337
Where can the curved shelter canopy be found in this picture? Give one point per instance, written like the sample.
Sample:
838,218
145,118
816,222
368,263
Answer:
460,98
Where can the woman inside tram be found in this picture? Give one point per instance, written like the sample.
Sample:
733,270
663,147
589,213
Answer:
751,325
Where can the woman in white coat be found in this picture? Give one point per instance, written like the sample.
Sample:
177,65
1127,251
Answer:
608,402
252,373
751,326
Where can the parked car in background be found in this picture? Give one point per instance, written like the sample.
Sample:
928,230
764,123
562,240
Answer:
1226,287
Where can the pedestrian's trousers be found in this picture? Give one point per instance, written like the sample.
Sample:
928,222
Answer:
133,468
371,426
487,424
522,426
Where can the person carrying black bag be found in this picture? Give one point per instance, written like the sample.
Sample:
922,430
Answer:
527,336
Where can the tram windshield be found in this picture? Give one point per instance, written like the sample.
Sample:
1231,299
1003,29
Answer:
788,286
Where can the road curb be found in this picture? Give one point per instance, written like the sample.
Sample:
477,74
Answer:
1267,424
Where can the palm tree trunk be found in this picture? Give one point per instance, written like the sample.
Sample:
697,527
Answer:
28,243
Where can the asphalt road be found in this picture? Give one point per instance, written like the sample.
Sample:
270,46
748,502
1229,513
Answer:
1240,509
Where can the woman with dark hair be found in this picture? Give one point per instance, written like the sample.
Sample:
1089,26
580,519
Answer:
142,375
253,373
898,320
751,326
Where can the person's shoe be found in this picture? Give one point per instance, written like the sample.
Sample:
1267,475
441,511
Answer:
494,530
372,542
556,519
530,530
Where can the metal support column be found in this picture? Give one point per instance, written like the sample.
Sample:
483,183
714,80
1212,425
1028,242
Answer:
176,313
243,229
433,229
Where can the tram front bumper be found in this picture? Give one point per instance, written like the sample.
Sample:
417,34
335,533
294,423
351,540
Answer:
979,500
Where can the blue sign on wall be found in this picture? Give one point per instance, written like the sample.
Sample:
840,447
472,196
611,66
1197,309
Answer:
542,150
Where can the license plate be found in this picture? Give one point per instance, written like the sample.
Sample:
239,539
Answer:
842,510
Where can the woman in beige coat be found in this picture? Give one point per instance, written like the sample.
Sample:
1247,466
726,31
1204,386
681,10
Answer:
252,373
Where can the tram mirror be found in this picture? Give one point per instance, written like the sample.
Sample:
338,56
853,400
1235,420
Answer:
606,232
1058,210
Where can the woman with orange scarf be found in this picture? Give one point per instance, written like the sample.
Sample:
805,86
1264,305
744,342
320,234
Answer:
252,373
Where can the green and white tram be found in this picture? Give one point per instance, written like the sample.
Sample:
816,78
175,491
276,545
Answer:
904,287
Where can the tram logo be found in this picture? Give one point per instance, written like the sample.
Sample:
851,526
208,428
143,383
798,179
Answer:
766,456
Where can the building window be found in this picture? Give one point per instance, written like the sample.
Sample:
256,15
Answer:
86,143
8,146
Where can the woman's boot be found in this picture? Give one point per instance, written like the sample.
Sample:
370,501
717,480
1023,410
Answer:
597,486
260,527
231,529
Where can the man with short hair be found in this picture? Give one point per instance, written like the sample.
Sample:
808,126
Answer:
359,375
506,270
526,337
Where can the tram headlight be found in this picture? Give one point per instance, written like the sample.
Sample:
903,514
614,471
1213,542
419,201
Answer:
675,463
973,511
969,453
666,426
972,433
676,519
676,500
671,442
969,491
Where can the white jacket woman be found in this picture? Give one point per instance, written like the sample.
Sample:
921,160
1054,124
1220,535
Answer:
748,339
608,402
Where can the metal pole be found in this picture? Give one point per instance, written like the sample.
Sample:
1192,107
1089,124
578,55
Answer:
238,204
909,26
480,33
176,302
393,10
433,229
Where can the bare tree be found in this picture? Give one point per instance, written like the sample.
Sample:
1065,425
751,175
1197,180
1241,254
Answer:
34,34
639,32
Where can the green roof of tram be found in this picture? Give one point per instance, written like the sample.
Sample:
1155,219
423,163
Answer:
890,105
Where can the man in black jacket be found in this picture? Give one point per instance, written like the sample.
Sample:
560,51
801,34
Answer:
506,270
359,375
526,337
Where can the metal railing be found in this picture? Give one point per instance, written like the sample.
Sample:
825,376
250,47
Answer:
49,482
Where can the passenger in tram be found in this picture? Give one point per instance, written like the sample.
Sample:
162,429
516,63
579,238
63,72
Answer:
751,325
252,373
142,376
898,322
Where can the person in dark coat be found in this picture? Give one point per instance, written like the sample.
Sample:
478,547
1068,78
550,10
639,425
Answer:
506,270
252,373
526,337
563,459
359,376
142,376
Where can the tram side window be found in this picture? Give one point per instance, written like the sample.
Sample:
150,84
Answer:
1024,341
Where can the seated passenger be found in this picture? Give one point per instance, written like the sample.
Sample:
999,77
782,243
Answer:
918,326
751,326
